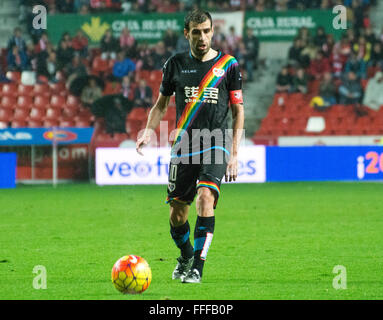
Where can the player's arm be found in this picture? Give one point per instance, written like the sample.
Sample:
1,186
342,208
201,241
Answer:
238,114
156,113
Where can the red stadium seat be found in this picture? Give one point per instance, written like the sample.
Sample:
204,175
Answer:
35,124
9,89
82,123
6,114
37,114
53,114
18,124
72,101
24,102
67,123
23,90
58,101
21,114
41,89
14,76
49,123
69,113
58,88
41,101
99,65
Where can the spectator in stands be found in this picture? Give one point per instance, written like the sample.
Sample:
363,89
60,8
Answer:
65,6
183,44
16,59
76,68
373,97
294,55
64,55
218,38
328,46
284,80
90,93
126,6
43,43
109,46
309,53
126,88
3,78
127,41
78,4
327,90
84,10
160,55
320,37
170,40
362,49
319,66
232,40
143,95
300,81
350,91
251,43
358,66
80,43
47,66
123,66
17,40
376,59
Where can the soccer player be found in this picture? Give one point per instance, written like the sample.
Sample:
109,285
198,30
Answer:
207,86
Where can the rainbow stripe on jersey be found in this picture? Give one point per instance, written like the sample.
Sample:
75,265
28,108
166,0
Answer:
212,79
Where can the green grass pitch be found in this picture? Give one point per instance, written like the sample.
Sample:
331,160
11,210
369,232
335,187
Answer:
271,241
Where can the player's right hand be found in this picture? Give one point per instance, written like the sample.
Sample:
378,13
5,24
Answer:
141,142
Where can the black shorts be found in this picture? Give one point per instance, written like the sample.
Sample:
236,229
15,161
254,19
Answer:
186,178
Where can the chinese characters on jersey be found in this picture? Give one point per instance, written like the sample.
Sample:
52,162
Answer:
208,95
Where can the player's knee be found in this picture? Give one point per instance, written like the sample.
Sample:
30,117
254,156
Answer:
206,196
178,213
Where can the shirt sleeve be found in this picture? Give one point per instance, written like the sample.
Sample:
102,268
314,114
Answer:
235,84
167,85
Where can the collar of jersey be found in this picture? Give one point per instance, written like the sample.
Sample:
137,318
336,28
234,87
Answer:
216,58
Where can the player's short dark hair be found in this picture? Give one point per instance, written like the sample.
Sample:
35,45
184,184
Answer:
198,16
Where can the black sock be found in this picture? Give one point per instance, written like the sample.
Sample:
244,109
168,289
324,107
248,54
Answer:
181,237
203,235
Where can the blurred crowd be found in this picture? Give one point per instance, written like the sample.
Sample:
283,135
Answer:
347,71
171,6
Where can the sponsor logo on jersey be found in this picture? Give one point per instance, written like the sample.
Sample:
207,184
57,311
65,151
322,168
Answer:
218,72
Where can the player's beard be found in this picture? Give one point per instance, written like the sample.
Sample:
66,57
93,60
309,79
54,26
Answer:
200,52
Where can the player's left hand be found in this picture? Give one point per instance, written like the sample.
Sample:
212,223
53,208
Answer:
232,169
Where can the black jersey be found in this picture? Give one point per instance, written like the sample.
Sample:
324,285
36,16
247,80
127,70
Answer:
202,90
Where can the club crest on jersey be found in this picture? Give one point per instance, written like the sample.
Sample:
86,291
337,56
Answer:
218,72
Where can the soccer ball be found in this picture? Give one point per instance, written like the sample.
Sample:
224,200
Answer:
131,274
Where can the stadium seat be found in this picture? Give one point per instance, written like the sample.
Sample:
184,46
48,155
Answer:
41,101
23,90
9,89
19,124
53,114
6,114
67,123
99,65
21,114
14,76
112,88
35,124
69,113
82,123
24,102
72,101
37,114
57,101
58,88
41,89
8,102
49,123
